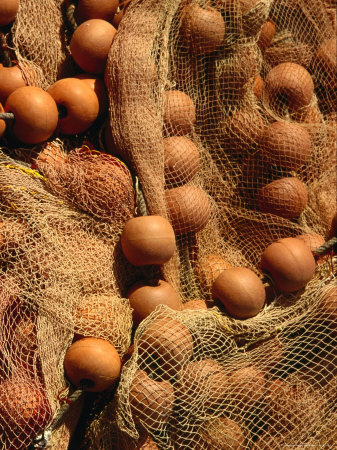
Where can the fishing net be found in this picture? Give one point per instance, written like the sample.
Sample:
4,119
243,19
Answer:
209,97
58,280
40,40
63,275
224,112
260,111
192,383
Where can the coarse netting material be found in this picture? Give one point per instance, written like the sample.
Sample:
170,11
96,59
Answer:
40,39
58,279
191,383
235,132
200,74
95,182
232,135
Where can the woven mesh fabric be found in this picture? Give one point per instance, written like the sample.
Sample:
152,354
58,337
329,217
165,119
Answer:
225,110
41,42
58,279
189,69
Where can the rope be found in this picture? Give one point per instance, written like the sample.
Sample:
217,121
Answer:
140,200
42,439
67,403
5,51
70,16
326,247
7,116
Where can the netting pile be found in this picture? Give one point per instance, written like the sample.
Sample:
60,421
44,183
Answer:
58,279
224,114
184,76
41,41
239,152
62,273
191,384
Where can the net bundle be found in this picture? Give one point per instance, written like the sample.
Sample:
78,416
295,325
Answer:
232,135
252,166
95,182
58,281
225,112
40,41
191,383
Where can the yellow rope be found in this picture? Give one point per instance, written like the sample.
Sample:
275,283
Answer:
25,170
220,318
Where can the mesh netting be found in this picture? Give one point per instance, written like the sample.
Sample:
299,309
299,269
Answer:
185,75
94,181
58,278
225,110
191,383
244,143
41,42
